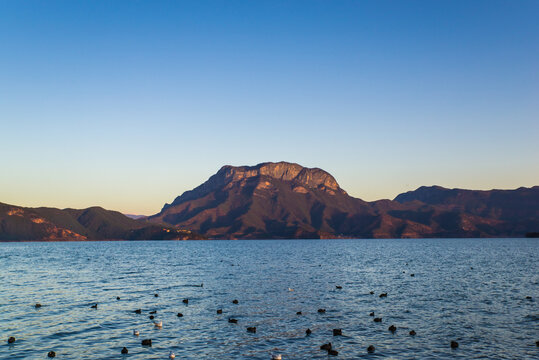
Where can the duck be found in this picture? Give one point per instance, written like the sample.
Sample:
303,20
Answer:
136,332
370,349
276,357
158,324
124,350
146,342
172,355
325,346
290,289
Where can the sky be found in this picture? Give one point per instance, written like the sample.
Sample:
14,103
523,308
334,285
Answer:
127,104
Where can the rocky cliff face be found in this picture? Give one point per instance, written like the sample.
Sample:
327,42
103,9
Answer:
285,200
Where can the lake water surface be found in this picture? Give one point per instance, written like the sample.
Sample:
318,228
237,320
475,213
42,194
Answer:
473,291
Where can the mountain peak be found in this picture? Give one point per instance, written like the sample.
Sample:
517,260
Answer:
312,178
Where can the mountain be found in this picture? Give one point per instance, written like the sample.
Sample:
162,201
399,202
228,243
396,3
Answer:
270,200
95,223
517,208
510,205
510,213
286,200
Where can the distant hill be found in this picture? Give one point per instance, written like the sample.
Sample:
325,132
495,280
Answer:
136,217
286,200
515,211
95,223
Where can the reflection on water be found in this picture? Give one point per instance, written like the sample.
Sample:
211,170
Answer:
471,291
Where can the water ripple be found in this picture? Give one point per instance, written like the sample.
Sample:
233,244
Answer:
471,291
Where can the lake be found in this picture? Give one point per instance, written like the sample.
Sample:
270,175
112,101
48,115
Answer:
482,293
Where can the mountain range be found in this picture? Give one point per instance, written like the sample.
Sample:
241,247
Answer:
286,200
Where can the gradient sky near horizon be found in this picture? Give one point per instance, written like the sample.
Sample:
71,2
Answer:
126,104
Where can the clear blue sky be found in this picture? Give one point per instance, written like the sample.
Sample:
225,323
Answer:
126,104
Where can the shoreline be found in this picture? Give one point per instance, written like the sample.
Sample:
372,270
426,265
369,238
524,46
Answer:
343,238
